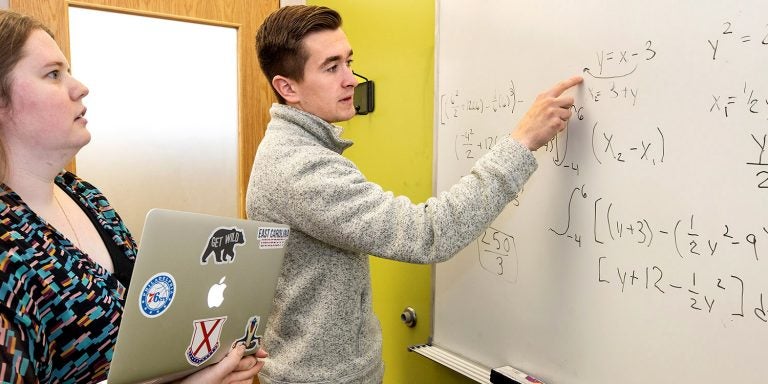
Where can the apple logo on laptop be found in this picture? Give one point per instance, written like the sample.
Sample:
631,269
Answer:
216,293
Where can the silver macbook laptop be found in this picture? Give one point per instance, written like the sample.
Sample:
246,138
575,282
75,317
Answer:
200,284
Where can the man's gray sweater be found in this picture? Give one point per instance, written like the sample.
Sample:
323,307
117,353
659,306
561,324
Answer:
322,328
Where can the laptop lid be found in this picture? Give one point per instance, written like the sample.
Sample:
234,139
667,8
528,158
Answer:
200,284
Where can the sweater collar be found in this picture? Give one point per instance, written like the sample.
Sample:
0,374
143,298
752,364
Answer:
327,133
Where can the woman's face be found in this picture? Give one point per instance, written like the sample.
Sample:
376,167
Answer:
46,108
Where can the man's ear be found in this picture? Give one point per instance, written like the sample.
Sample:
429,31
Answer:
286,88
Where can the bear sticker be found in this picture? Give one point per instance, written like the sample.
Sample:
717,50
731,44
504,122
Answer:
222,243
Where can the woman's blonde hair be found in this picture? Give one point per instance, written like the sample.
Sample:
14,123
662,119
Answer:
15,29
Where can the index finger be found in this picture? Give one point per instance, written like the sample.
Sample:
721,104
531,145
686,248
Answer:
564,85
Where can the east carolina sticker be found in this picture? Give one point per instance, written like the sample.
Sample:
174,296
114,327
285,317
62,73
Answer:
250,339
221,243
272,237
205,339
157,294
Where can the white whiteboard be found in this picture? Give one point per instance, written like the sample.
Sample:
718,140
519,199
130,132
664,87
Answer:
638,252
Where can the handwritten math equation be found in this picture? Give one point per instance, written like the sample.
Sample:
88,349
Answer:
613,64
748,100
497,254
456,105
682,235
682,239
731,33
761,160
614,91
728,292
470,145
609,145
611,71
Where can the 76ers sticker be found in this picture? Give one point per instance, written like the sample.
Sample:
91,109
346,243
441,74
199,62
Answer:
157,294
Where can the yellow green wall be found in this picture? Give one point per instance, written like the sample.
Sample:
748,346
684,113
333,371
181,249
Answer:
393,42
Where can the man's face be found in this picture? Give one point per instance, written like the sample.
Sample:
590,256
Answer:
329,84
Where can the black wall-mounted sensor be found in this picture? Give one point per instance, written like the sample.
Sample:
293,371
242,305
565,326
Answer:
363,99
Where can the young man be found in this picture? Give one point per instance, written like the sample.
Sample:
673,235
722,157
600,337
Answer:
322,329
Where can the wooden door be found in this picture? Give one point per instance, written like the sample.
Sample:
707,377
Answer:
254,93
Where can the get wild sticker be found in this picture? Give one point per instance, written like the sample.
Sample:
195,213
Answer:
221,243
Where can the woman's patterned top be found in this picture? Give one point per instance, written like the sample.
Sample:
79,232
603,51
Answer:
60,311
